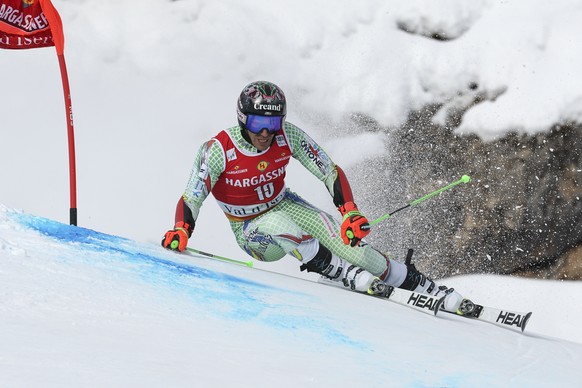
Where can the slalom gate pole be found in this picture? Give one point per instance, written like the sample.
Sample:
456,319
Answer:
464,179
248,263
71,138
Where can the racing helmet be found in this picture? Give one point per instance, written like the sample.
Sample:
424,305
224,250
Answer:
261,105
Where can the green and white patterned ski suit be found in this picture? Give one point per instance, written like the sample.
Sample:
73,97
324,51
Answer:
244,167
292,224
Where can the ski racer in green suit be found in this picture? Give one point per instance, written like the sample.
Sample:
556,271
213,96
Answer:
244,168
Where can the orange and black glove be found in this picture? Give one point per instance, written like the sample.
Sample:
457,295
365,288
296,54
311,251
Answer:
355,226
177,238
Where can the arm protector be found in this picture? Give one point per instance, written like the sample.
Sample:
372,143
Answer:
184,218
342,192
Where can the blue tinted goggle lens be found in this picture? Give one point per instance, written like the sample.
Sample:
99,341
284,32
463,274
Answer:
256,124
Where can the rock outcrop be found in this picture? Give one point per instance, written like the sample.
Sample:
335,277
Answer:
521,214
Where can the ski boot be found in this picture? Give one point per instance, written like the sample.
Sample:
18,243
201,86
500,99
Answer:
417,282
354,277
338,270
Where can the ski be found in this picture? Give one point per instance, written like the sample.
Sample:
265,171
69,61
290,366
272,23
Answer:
428,304
420,302
432,305
508,319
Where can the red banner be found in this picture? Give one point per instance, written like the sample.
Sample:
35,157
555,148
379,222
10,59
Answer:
28,24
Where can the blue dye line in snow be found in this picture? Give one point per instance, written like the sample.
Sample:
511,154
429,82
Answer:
243,297
91,240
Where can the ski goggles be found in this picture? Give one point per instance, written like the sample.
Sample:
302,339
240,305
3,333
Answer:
256,123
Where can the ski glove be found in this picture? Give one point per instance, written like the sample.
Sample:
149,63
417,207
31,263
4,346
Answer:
177,238
355,226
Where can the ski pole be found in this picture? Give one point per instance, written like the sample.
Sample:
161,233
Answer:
213,256
464,179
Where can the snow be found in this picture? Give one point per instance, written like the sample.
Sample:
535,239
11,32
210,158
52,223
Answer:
151,80
82,308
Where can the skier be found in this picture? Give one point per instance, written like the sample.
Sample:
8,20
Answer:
244,168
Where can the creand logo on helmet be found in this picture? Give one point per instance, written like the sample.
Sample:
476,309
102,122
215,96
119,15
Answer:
269,107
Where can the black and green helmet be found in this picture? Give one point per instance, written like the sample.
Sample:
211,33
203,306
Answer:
260,98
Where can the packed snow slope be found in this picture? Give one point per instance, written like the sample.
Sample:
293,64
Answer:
150,81
83,308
